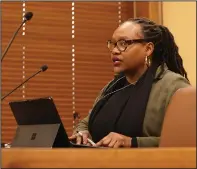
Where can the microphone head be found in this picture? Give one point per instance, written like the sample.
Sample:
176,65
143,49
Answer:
44,68
28,16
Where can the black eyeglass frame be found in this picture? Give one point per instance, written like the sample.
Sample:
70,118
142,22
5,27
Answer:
129,42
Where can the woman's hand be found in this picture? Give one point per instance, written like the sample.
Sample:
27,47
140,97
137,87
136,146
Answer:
81,139
115,140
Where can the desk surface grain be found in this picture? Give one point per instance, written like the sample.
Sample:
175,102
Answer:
98,158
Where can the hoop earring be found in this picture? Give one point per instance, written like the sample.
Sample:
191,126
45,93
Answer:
147,61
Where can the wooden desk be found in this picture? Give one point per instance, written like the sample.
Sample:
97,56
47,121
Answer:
115,158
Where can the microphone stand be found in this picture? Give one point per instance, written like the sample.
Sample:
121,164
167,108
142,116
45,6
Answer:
20,85
26,17
6,50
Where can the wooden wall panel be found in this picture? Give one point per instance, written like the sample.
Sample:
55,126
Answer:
148,9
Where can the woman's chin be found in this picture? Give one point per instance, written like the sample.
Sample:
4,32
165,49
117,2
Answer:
118,70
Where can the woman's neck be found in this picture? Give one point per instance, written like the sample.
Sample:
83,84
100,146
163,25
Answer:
133,77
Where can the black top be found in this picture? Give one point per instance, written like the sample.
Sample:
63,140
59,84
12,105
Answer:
110,117
123,107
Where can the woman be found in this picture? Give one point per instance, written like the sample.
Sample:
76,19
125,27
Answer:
130,109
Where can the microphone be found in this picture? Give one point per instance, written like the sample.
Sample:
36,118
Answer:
26,18
42,69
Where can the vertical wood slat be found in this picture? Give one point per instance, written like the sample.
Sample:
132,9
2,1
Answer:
155,12
148,9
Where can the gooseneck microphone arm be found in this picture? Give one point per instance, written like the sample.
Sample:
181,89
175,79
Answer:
42,69
27,17
9,44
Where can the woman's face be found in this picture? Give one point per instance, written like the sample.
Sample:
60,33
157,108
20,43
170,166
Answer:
133,58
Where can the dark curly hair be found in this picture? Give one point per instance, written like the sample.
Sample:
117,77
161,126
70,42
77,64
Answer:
165,48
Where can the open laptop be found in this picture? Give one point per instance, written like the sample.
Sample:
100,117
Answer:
39,124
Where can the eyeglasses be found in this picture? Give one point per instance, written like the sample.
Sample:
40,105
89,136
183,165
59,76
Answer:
122,44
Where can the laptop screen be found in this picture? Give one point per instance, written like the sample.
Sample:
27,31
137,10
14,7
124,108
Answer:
35,111
39,124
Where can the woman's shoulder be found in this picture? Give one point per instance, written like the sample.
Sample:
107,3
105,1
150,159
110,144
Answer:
164,88
174,80
168,85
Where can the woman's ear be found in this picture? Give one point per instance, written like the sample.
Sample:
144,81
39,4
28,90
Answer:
149,48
